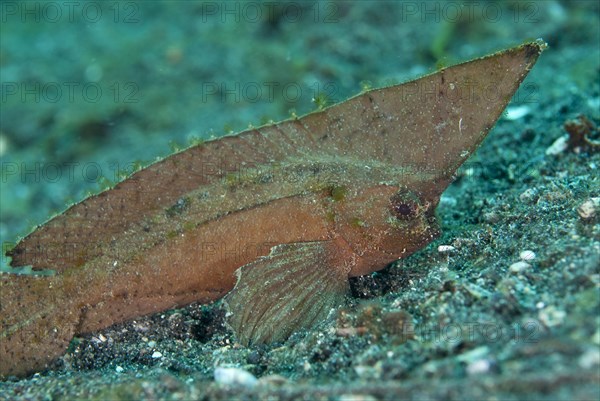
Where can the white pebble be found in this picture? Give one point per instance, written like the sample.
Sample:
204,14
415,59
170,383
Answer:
559,146
156,355
446,248
515,113
527,255
479,366
529,195
590,358
119,369
588,209
273,380
356,397
235,377
518,267
551,316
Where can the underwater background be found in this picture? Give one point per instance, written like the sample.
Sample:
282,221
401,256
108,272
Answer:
91,90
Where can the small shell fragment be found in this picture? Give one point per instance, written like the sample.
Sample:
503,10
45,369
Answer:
235,377
589,209
551,316
479,367
558,146
273,380
446,248
516,113
530,195
518,267
527,255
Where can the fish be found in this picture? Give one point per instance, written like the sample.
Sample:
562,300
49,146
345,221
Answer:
274,220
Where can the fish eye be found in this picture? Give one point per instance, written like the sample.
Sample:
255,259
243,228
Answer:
405,205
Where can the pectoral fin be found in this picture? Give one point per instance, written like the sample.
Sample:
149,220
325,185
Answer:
292,288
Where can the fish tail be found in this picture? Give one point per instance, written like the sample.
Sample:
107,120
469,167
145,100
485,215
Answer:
38,318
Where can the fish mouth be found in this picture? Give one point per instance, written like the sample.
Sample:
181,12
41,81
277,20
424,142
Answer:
433,227
429,219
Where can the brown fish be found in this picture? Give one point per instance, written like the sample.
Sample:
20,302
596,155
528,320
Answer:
292,209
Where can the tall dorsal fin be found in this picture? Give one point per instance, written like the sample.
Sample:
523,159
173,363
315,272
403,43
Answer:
430,124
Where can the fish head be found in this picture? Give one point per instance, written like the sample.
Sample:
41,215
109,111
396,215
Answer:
422,132
385,223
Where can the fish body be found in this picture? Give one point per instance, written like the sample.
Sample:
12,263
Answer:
267,218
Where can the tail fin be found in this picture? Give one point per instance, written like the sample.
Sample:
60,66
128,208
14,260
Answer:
37,322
